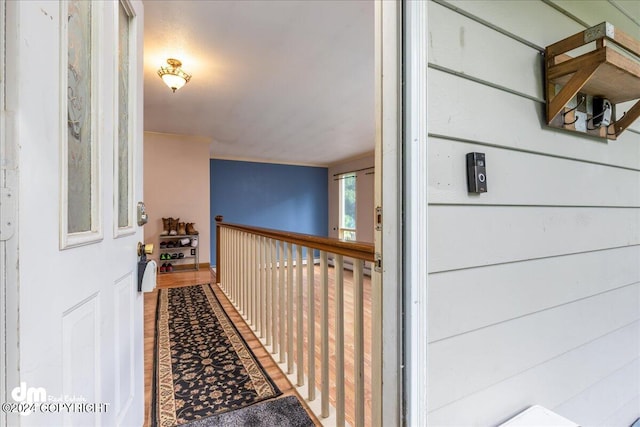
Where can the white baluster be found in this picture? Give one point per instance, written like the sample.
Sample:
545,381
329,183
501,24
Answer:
324,327
245,285
358,353
299,318
261,285
237,259
268,297
245,264
274,295
240,260
223,260
311,326
290,308
254,281
220,267
250,281
376,350
247,272
234,267
283,301
339,337
227,264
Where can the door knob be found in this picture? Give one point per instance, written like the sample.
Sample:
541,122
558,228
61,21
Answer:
145,248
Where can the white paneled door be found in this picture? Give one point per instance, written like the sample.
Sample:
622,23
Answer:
72,129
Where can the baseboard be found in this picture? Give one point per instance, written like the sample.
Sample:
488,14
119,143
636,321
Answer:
181,267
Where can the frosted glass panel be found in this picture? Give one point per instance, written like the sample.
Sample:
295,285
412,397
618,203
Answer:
123,120
79,144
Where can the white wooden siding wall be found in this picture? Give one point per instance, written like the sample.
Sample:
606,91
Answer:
534,287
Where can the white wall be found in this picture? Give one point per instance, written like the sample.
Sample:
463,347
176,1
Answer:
364,197
534,287
176,184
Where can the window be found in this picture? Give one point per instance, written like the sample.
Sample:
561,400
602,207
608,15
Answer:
123,154
80,213
347,207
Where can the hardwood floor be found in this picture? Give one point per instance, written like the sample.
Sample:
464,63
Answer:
193,278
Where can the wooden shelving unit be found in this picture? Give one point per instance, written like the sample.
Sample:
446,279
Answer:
610,71
190,253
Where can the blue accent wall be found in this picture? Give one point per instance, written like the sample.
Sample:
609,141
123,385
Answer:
283,197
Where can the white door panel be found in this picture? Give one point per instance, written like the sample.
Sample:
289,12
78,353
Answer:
80,315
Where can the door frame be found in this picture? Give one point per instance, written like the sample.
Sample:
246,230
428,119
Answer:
8,180
416,207
387,278
3,245
401,157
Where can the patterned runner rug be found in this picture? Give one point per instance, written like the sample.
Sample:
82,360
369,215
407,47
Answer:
203,365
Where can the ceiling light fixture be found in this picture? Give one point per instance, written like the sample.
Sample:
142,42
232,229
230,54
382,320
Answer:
173,75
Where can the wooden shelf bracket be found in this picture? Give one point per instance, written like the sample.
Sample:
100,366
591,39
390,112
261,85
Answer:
611,71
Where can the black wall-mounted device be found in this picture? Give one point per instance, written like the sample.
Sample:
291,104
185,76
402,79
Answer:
601,112
476,173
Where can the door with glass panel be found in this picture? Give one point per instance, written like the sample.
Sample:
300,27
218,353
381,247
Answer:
76,78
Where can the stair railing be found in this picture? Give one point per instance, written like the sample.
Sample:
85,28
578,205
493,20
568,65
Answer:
261,272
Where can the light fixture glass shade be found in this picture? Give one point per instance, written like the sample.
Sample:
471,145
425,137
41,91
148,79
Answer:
173,81
173,75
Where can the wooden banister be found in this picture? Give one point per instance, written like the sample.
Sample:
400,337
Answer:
359,250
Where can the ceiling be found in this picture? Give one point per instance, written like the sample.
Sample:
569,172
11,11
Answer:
282,81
